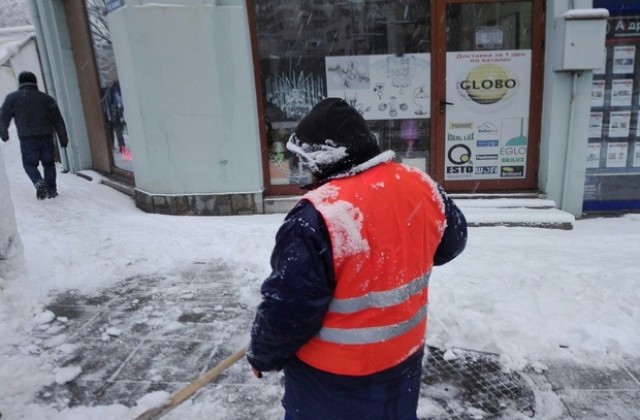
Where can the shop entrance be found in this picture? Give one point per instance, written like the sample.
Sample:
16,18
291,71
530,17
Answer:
485,113
452,86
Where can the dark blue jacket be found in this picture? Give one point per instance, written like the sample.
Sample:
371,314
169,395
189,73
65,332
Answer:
36,115
296,297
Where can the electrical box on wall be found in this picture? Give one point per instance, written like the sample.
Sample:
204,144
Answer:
581,46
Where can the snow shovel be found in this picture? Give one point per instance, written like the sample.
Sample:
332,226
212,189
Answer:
183,394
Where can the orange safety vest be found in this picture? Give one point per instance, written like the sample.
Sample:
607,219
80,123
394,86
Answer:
385,225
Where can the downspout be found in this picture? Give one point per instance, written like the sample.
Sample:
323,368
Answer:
569,143
46,66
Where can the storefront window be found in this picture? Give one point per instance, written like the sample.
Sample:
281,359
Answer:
111,94
373,54
613,158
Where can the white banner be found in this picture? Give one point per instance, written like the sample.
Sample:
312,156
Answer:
488,120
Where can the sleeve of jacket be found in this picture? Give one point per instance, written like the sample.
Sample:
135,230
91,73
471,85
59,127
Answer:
297,293
6,114
58,123
454,239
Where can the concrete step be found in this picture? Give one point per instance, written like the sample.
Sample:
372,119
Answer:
510,210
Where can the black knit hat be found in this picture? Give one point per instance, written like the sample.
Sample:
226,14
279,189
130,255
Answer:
27,77
332,138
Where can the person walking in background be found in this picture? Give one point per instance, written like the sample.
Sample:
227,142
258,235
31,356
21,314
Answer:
344,311
37,118
114,111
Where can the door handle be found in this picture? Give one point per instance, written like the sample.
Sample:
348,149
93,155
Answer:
443,104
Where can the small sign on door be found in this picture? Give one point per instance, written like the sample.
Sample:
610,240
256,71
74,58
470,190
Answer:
489,37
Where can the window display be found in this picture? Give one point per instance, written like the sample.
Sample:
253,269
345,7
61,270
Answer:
111,93
613,171
373,54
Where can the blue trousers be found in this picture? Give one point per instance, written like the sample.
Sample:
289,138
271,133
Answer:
35,152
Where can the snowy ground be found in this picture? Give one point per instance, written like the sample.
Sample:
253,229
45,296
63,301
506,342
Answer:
529,294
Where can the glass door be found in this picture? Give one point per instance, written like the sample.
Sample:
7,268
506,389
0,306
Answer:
488,118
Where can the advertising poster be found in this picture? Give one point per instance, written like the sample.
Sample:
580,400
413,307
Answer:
619,123
382,87
597,93
617,154
636,154
621,91
595,125
624,59
593,155
487,126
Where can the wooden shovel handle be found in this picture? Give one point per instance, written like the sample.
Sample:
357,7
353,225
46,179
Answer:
183,394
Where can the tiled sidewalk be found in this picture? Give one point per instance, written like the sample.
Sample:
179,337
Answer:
160,333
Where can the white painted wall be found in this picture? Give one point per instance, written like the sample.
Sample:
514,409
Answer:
187,79
27,59
560,144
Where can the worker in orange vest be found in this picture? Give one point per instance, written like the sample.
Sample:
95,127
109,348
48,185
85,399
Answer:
344,311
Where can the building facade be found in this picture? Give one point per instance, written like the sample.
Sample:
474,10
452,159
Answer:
193,101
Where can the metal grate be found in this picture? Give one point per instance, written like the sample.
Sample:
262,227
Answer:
471,385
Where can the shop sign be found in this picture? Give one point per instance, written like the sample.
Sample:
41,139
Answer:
621,27
491,91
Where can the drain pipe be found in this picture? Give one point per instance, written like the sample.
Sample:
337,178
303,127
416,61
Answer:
569,143
45,65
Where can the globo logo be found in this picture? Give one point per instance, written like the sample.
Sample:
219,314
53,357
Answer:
487,84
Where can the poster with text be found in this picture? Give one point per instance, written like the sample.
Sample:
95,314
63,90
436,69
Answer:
597,93
624,59
621,91
595,125
619,122
617,154
382,87
487,126
593,155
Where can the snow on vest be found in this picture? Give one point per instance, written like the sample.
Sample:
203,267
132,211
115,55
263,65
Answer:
385,225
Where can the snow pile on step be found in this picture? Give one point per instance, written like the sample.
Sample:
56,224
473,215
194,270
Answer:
514,212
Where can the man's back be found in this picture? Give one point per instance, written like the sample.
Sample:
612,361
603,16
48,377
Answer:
35,113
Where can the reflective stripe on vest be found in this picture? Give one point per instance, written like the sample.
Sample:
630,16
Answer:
371,334
385,225
379,299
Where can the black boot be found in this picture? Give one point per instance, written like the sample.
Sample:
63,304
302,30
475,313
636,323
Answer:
41,190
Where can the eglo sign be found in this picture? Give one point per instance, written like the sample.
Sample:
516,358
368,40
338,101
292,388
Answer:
487,84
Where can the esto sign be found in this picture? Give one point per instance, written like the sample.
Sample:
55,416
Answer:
487,84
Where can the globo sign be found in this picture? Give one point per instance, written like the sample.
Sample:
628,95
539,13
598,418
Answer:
487,84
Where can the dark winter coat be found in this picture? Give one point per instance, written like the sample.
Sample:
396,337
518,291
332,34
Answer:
36,115
296,297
